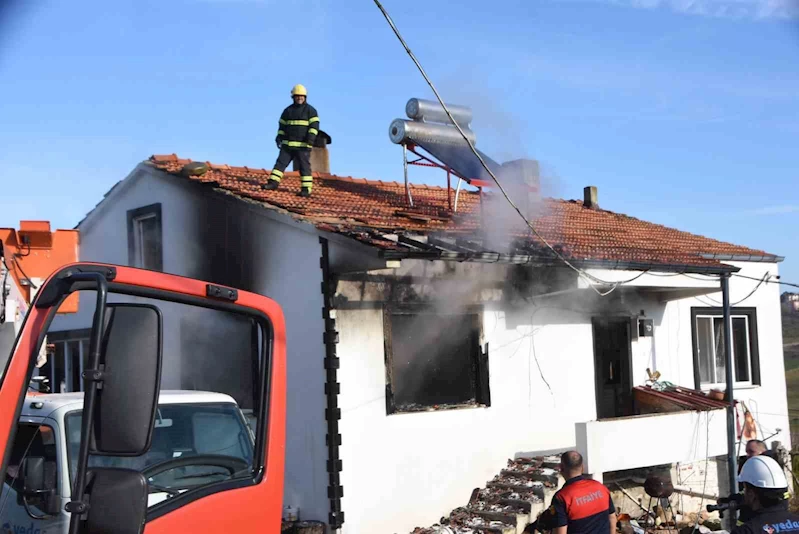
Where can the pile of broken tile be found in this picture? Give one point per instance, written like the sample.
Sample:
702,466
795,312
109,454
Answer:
509,502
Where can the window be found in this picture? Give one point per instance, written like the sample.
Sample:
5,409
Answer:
434,361
191,431
709,355
67,360
144,238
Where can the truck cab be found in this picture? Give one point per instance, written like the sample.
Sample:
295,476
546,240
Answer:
190,427
132,453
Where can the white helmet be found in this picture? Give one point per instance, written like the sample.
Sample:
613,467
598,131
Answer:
763,472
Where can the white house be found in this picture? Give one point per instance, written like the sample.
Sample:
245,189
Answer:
463,341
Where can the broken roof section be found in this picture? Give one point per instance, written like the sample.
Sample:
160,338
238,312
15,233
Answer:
32,253
376,213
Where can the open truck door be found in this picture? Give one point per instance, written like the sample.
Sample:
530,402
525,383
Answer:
206,487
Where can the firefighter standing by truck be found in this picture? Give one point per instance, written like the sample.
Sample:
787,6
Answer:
297,131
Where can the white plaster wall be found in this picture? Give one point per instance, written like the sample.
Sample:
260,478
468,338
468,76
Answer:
634,442
674,350
407,470
104,238
289,273
286,264
428,463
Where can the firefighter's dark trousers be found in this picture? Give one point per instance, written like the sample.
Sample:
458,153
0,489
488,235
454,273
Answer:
302,160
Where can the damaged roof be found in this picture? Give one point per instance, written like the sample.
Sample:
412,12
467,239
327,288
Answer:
377,213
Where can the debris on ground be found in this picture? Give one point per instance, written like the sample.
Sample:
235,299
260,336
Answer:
510,501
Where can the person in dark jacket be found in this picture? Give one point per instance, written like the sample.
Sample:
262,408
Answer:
297,131
755,447
765,490
581,506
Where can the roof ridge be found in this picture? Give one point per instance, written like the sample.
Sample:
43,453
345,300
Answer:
174,158
596,233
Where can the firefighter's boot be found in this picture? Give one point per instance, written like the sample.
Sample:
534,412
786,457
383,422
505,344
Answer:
305,192
271,185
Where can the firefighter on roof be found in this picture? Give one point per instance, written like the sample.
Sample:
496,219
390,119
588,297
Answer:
296,134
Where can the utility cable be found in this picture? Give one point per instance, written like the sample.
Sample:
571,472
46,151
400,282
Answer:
707,460
474,151
560,256
27,278
19,468
769,281
762,281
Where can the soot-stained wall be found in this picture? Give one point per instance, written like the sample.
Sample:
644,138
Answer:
212,236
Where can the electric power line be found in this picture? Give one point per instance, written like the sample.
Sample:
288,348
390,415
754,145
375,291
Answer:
768,281
560,256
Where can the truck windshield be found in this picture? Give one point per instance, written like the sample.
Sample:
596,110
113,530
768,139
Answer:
181,431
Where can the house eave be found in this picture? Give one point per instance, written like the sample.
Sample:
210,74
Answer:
523,259
768,258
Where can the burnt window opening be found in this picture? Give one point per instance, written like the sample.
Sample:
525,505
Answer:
434,362
145,248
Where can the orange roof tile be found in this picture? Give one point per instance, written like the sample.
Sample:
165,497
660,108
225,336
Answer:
357,207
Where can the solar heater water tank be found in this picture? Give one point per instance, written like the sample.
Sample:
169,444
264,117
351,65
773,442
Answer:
401,131
430,111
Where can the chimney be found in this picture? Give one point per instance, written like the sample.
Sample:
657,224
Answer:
320,157
523,176
591,197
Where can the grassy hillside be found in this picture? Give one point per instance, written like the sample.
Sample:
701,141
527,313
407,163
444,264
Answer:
790,336
790,327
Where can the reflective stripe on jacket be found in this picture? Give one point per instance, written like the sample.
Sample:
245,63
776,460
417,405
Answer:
298,126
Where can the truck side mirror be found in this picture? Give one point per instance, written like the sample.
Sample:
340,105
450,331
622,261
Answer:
130,377
36,490
33,473
117,501
119,407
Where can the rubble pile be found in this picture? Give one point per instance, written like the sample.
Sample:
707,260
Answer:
464,521
509,502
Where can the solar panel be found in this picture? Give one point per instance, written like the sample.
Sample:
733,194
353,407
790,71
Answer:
461,159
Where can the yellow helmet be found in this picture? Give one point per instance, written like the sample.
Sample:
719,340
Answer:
299,90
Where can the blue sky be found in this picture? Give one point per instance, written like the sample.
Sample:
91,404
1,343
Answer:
681,112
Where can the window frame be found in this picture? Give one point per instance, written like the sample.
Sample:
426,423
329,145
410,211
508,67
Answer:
750,313
135,254
479,368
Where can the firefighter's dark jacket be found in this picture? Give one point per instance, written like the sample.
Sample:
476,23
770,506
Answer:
774,520
298,126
